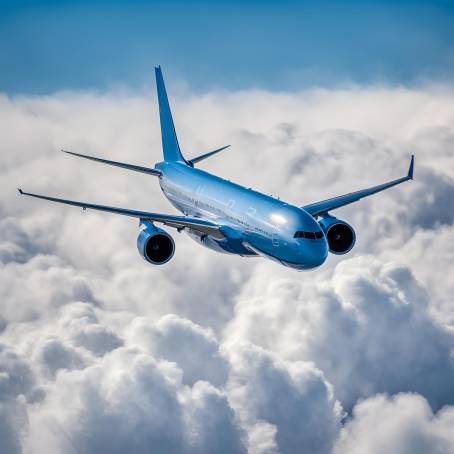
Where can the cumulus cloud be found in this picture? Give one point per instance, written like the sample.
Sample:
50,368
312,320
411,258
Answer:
211,423
82,326
130,401
368,328
126,402
291,396
193,348
53,355
17,387
103,352
401,424
39,287
430,253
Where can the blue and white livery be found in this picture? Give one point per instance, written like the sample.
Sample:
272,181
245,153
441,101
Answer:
230,218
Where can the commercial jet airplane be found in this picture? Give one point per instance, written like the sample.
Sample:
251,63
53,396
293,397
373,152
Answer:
230,218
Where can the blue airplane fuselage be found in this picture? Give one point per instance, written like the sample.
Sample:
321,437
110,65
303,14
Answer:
252,223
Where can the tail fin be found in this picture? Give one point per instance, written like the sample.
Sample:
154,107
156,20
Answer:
170,146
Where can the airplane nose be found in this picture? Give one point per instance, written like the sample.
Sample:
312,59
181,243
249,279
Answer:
317,253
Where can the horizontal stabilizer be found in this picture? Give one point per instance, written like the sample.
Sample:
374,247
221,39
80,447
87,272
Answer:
117,164
206,155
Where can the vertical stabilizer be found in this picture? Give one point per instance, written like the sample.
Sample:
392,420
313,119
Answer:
170,146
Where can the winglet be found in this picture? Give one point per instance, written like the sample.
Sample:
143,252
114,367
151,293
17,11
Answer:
20,191
412,165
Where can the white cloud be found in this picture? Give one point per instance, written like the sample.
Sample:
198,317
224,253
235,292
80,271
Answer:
430,254
211,425
13,423
212,353
126,402
17,388
82,326
291,396
16,377
367,328
192,347
54,355
38,287
403,424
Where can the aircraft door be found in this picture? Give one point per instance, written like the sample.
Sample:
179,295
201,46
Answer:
250,220
275,238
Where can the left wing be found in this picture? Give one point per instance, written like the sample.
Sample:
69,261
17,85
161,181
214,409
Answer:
324,206
179,222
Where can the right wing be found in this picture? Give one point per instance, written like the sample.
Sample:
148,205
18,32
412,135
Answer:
117,164
179,222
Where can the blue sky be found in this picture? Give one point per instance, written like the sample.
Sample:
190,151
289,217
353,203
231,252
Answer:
50,46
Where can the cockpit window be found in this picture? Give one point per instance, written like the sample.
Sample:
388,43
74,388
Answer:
309,235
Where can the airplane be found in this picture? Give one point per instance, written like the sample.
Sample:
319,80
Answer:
227,217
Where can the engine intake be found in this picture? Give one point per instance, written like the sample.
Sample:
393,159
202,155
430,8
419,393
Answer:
341,236
155,245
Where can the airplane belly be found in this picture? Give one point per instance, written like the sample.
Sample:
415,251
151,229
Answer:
222,246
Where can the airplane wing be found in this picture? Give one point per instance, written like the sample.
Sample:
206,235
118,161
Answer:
324,206
179,222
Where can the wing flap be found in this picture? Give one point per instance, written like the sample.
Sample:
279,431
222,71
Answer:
200,225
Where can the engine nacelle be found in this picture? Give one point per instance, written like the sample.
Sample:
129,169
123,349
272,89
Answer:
155,245
341,236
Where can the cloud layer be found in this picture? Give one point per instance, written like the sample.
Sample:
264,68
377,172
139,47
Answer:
101,352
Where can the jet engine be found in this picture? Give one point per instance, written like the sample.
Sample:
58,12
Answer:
341,236
155,245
